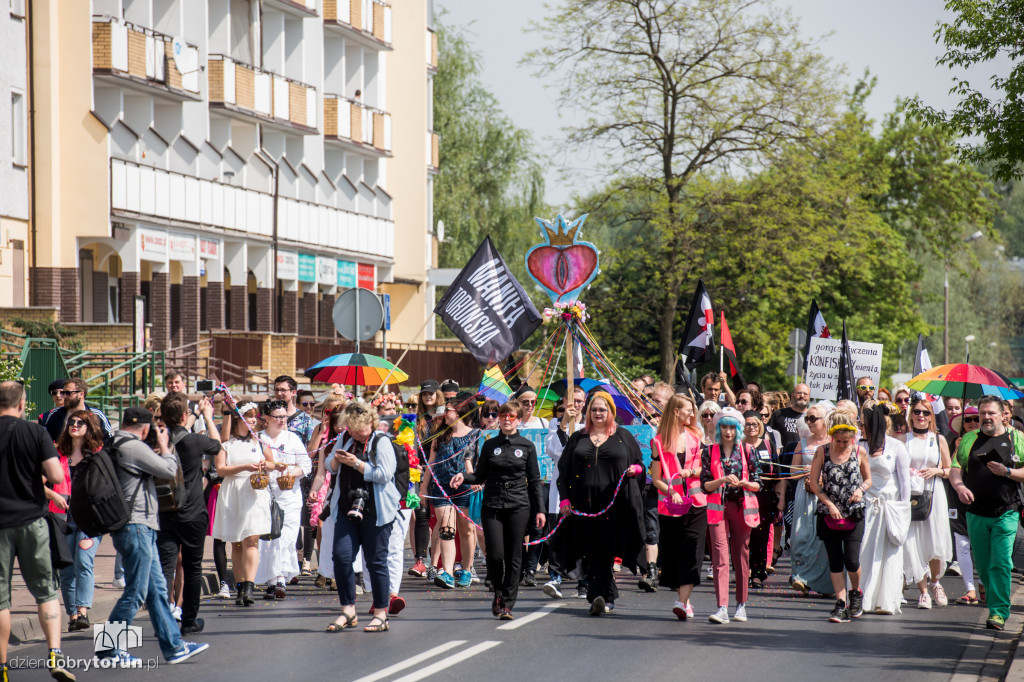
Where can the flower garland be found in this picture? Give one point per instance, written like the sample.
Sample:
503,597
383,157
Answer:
405,426
569,311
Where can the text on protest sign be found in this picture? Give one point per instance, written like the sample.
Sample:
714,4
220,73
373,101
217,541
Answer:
823,365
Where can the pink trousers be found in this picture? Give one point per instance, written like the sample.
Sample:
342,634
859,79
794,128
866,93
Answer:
731,536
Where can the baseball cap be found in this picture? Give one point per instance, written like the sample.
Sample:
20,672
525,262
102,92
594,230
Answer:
56,385
450,386
136,415
429,386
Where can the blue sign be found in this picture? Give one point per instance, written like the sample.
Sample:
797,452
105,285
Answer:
346,274
307,267
386,300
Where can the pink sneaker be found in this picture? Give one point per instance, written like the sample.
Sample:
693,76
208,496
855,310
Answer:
939,594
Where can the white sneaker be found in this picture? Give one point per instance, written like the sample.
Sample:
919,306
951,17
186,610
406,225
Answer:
954,568
939,594
679,609
741,613
720,616
924,601
118,584
551,588
711,573
225,591
689,610
176,612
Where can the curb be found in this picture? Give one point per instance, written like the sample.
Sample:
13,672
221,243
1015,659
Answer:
26,629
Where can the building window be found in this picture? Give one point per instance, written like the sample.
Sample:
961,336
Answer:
18,133
18,8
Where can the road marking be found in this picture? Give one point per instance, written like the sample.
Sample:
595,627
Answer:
454,659
409,662
519,622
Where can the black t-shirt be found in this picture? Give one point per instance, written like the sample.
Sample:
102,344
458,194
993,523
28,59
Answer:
191,449
784,421
22,500
993,495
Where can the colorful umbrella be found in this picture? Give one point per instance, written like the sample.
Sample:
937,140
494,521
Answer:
355,369
963,381
494,387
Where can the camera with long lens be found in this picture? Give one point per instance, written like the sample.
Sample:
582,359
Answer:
357,497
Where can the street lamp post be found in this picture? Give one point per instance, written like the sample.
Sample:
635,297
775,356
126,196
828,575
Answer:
967,346
945,299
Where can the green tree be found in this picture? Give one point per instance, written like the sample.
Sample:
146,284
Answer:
490,179
991,129
677,91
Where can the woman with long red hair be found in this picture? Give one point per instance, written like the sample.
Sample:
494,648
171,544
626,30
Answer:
82,435
593,462
682,505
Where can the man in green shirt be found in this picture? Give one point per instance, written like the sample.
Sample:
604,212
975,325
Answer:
986,476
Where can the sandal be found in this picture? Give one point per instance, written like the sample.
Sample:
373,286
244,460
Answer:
350,622
966,600
382,625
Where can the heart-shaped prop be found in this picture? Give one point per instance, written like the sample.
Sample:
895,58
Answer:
563,265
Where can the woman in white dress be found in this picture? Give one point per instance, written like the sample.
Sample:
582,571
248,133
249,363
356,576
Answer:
810,561
278,559
243,513
929,546
886,514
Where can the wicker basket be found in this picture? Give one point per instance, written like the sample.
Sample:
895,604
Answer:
260,480
285,482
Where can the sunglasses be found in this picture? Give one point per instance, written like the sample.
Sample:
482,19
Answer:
764,416
812,419
975,419
707,415
921,413
509,416
490,415
70,392
744,401
902,401
598,410
752,425
54,393
866,387
528,402
75,423
308,404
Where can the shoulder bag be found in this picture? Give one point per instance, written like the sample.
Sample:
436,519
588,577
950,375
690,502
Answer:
921,503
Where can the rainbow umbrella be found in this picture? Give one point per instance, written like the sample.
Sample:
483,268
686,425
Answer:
494,387
355,369
963,381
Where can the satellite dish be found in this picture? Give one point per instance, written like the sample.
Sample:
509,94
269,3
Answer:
440,231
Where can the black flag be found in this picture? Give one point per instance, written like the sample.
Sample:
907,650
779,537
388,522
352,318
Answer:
487,308
816,327
698,344
845,383
683,384
922,363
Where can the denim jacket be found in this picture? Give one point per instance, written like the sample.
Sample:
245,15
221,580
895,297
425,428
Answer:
380,471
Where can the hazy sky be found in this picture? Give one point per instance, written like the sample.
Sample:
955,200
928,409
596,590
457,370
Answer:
892,38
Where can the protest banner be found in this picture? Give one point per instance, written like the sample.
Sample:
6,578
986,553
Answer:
823,365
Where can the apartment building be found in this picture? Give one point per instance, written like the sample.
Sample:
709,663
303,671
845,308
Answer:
14,155
236,163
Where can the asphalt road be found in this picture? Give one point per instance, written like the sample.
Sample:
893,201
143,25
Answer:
451,634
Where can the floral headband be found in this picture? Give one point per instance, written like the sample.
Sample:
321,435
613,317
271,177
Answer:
386,398
841,427
247,407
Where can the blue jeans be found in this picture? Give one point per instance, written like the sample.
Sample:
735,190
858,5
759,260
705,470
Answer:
349,536
77,581
144,584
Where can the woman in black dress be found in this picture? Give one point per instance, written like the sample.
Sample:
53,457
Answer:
510,474
589,470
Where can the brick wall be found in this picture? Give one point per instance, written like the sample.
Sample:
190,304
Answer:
160,310
175,313
130,288
239,309
326,317
136,53
308,315
297,103
100,293
279,354
189,310
70,296
101,54
289,320
33,314
245,87
215,305
98,337
264,310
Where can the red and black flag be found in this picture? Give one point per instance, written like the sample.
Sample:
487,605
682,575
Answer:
698,344
846,381
816,327
738,382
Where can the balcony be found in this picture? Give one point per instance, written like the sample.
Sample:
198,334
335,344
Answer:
246,92
367,22
145,60
179,200
431,51
433,151
296,8
354,125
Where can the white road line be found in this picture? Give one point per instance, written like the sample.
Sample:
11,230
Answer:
409,662
519,622
454,659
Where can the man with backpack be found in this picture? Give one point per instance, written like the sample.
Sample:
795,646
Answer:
183,522
136,466
26,455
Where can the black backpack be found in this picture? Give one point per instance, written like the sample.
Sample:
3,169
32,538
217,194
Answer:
401,478
98,504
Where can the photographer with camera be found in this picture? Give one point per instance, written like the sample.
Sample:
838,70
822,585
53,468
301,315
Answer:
364,506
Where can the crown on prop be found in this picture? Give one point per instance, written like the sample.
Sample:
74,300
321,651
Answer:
560,232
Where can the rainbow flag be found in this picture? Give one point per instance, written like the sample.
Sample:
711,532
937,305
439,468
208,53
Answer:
494,387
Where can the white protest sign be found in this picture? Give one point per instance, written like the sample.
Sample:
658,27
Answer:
823,365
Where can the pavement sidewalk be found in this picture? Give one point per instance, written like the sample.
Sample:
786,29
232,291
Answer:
25,621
